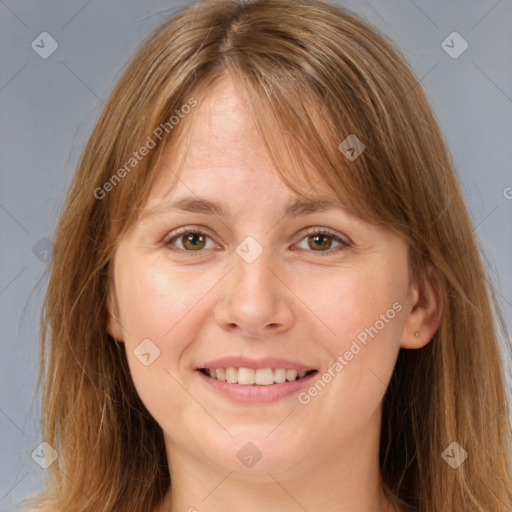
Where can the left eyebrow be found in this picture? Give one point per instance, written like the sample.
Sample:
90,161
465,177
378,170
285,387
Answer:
203,205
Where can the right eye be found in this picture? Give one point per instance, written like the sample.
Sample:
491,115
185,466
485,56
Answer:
190,239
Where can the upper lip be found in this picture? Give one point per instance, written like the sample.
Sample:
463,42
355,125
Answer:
247,362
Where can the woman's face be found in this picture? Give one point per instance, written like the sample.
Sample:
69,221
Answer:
253,287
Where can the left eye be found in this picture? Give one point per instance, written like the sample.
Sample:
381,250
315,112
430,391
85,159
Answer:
323,240
193,240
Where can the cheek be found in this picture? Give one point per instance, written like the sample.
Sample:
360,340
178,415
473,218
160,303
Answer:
358,305
157,308
152,300
365,318
155,303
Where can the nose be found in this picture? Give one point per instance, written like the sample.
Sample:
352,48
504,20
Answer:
254,299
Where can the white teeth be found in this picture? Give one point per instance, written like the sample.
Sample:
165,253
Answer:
291,374
232,375
245,376
280,375
264,376
260,376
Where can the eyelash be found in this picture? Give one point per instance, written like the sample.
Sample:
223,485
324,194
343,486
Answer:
168,241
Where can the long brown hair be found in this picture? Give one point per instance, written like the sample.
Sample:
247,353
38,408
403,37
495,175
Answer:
312,74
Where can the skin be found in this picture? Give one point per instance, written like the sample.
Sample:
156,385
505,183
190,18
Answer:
294,301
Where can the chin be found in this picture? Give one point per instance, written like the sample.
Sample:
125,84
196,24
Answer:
254,450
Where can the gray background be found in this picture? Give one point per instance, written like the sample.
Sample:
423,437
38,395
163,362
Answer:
49,106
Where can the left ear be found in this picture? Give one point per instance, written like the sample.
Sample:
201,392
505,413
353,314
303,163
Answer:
425,310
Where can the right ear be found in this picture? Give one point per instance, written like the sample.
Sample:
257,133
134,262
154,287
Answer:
113,325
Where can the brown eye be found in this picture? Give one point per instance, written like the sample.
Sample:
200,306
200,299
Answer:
187,240
320,241
193,241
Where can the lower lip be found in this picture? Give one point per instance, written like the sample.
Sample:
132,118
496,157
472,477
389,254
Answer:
250,394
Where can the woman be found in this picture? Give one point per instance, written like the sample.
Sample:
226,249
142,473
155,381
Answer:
266,292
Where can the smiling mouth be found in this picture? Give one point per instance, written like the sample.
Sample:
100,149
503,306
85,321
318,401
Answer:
258,377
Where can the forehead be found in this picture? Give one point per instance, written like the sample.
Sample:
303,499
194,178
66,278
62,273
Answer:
222,131
220,149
